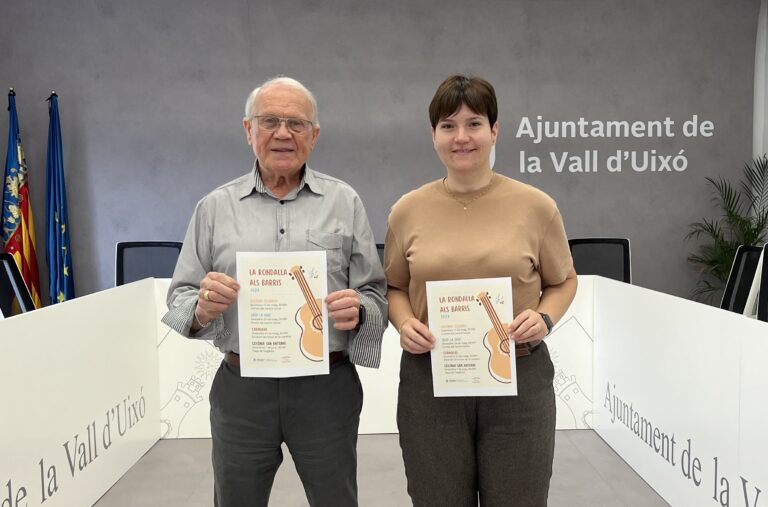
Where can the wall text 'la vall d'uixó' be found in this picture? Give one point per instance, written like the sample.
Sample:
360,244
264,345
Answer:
650,160
82,450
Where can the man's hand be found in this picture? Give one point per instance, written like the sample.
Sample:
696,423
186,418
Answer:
217,292
343,309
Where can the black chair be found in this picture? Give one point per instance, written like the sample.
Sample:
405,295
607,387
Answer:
740,278
136,260
762,295
14,294
380,249
608,257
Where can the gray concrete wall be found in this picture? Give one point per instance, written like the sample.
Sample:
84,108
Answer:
151,97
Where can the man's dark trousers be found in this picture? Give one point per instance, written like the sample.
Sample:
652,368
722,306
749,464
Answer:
317,417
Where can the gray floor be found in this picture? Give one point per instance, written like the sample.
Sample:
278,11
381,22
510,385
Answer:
177,473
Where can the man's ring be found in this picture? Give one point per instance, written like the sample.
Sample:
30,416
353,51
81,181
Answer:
205,295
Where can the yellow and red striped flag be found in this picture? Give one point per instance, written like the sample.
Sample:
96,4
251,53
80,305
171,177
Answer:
18,226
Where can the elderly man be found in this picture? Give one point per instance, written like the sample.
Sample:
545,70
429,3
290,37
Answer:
282,205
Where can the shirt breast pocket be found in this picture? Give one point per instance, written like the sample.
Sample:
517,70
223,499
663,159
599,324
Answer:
332,244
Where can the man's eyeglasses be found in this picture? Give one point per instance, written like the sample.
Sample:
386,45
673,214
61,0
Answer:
271,123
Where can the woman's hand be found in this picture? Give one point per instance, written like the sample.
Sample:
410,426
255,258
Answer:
415,337
528,326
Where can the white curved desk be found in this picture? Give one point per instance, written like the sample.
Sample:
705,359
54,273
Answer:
676,388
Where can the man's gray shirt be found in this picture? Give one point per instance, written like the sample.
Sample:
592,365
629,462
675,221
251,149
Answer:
322,213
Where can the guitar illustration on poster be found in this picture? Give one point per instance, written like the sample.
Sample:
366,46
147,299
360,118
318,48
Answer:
497,343
309,317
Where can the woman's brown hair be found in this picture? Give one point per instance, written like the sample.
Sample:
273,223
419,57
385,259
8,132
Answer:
477,93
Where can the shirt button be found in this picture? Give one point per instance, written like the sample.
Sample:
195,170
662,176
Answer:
282,202
282,231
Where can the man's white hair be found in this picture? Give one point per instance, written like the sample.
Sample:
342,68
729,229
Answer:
250,103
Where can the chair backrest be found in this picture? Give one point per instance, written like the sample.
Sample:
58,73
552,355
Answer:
136,260
14,294
762,295
740,278
608,257
380,249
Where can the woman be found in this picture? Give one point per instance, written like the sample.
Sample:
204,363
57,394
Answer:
474,223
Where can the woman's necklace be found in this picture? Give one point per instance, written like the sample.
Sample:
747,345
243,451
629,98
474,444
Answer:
466,202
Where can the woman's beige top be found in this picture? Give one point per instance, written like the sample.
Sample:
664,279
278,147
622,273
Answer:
507,229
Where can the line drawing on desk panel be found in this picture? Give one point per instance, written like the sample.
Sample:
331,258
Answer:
570,395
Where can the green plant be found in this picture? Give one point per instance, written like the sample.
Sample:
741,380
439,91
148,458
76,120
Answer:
743,221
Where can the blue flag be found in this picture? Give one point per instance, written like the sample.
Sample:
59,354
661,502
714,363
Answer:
57,253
